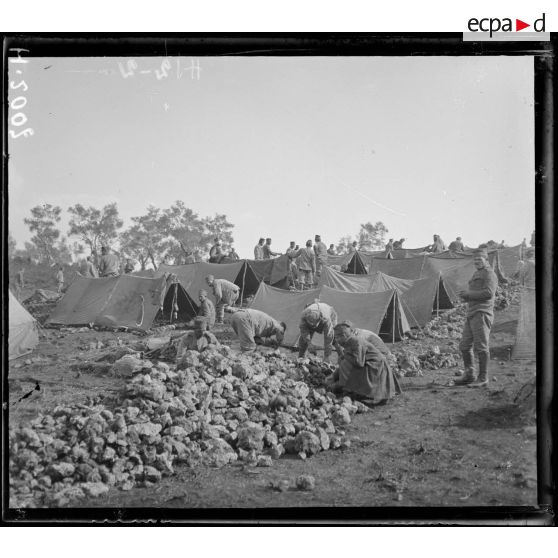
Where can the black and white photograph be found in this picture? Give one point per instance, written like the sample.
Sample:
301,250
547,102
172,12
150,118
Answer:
281,280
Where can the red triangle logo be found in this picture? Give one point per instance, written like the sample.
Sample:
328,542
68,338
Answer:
519,25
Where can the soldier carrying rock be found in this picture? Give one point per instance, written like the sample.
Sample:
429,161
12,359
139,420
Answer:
197,340
363,369
249,323
317,317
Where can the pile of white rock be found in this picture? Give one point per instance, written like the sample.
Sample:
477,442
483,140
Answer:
211,409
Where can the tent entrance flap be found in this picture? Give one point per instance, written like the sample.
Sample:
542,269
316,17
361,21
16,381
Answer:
177,305
394,324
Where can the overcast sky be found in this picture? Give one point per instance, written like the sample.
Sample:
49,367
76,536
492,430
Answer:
286,147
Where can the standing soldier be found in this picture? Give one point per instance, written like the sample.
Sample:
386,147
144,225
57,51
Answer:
207,309
306,264
60,279
267,252
292,252
320,250
480,314
398,244
317,317
108,264
226,294
258,250
90,269
19,283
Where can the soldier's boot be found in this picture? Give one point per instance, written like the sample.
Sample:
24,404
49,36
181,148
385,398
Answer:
469,375
482,380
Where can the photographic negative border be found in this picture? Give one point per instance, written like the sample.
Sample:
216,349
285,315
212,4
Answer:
329,44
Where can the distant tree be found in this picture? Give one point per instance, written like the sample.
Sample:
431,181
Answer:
343,244
43,224
219,227
95,227
186,231
372,236
62,252
11,246
136,243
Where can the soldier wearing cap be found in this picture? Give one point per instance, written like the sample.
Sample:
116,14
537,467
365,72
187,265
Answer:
249,323
306,265
363,369
317,317
197,340
480,314
207,309
226,294
331,250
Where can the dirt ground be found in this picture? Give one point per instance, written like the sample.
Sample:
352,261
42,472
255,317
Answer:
433,445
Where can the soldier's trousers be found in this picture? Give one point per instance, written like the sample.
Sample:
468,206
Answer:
476,333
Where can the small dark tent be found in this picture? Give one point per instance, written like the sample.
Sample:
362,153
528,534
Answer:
349,263
192,276
125,301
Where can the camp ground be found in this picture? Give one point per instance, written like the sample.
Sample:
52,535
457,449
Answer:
122,302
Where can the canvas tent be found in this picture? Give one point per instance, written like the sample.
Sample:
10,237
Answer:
456,272
350,263
23,334
192,276
125,301
381,313
273,271
526,336
509,259
419,297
